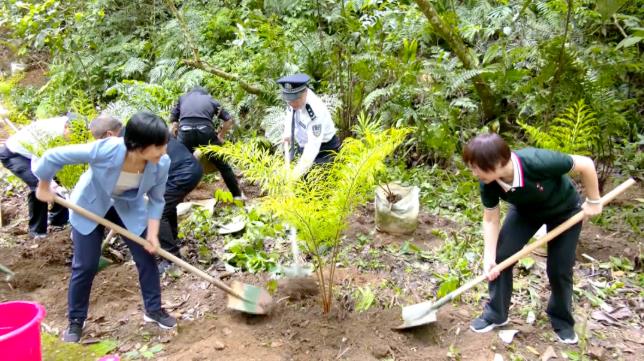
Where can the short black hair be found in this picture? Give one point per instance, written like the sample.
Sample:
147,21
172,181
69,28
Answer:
486,152
145,129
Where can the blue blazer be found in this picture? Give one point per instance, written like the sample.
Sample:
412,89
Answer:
94,188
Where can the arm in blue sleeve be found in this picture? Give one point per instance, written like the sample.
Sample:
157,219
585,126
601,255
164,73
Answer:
156,201
50,163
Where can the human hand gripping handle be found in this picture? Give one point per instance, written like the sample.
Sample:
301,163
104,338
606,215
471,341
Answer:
578,217
45,191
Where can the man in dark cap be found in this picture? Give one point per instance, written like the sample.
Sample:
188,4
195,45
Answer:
308,121
193,116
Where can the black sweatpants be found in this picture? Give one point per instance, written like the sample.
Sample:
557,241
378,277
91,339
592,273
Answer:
199,135
516,232
20,166
168,228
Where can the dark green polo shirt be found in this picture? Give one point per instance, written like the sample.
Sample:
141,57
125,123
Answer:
543,189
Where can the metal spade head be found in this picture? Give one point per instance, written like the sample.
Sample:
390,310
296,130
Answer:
256,300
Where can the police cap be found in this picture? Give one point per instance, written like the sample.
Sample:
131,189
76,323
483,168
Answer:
293,86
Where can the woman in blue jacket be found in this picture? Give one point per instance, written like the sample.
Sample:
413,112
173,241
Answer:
121,172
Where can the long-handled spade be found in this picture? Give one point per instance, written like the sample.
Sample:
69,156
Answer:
242,297
425,312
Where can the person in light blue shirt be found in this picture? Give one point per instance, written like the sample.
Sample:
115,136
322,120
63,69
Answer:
121,172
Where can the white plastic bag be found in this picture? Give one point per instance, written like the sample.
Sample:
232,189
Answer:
397,208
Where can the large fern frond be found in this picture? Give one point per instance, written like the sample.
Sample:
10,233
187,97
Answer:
575,131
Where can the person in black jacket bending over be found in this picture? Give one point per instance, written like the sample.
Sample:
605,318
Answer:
183,176
193,117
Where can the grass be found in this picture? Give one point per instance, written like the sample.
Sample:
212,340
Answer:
54,349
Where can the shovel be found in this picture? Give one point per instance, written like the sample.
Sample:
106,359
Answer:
425,312
8,273
242,297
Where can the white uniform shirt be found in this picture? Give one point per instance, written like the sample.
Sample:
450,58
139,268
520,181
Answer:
36,134
309,134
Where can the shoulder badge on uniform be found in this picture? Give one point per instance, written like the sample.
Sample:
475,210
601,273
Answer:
309,110
317,129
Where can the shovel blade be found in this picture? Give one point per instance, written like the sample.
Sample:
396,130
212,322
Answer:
415,322
416,311
257,301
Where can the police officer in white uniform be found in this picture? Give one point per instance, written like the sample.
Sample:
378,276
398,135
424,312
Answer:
309,122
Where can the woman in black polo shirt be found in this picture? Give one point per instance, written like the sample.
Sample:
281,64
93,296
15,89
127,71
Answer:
536,184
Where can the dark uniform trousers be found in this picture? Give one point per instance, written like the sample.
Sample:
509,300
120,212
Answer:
516,232
87,252
20,166
168,229
199,135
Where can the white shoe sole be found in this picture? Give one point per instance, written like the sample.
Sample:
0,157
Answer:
149,320
568,341
490,327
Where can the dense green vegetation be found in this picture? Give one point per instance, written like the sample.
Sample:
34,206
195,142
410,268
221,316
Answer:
448,68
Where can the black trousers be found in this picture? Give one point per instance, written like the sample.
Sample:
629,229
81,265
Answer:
516,232
20,166
168,229
196,136
87,252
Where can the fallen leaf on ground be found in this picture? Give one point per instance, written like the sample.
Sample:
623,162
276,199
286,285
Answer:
602,316
621,313
533,350
549,354
507,335
531,318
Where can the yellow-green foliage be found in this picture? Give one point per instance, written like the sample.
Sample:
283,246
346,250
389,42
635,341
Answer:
319,206
54,349
6,86
575,131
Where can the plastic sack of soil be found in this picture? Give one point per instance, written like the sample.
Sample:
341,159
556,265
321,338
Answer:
397,208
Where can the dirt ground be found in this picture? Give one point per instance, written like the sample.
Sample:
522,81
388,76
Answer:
296,329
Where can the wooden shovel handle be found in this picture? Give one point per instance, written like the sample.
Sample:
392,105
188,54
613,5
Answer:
562,227
161,252
529,248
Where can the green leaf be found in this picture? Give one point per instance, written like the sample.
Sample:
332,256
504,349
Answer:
629,41
527,262
607,8
365,298
103,347
447,286
156,348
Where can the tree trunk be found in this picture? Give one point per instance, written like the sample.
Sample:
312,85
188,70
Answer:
488,100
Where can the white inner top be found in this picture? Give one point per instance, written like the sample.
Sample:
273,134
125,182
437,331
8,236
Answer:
126,182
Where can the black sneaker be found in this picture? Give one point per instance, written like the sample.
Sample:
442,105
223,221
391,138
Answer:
482,325
161,317
75,330
567,336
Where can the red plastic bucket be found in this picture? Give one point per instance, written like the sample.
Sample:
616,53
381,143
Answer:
20,331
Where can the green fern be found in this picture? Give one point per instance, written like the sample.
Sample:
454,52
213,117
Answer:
575,131
319,206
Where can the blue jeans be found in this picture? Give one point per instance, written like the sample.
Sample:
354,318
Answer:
87,252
